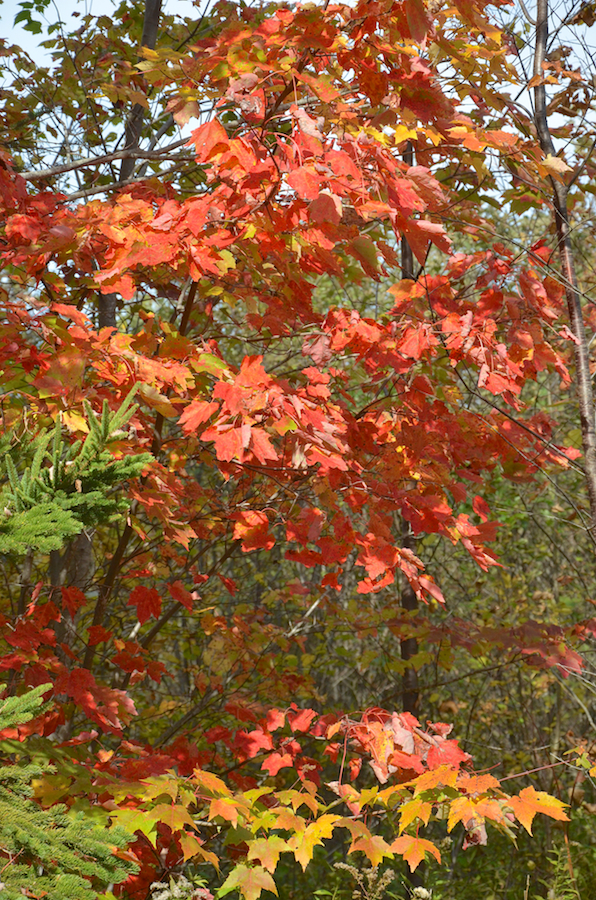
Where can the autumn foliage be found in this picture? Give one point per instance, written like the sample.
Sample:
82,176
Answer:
279,431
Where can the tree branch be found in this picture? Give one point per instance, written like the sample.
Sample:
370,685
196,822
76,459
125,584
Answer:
133,153
117,185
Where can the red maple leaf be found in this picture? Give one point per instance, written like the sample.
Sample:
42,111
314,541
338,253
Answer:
252,528
147,602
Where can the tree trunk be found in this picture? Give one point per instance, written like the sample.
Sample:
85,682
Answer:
409,601
135,122
576,320
132,135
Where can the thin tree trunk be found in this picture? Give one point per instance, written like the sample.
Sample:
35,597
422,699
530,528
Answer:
107,310
409,601
576,319
108,302
135,122
106,588
409,646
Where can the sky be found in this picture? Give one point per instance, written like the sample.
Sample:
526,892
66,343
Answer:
64,9
30,42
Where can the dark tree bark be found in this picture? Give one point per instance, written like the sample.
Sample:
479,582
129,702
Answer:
409,601
108,302
135,122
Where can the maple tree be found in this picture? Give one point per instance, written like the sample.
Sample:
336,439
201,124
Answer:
262,343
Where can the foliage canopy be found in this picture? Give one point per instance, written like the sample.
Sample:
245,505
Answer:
291,315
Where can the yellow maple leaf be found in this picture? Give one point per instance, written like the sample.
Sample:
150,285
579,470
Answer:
446,776
554,165
250,881
211,782
414,809
267,851
374,847
303,843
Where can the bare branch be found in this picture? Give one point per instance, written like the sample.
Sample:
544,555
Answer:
100,160
117,185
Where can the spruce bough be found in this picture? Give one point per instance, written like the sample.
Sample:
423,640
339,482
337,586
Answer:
49,853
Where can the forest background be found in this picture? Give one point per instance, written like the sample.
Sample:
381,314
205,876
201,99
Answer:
299,451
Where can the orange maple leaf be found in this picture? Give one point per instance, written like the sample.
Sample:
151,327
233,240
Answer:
414,850
530,801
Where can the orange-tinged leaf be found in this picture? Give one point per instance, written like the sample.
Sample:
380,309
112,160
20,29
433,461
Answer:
304,842
387,794
414,850
374,847
209,139
349,794
276,761
261,446
444,776
476,784
210,782
191,846
71,312
252,528
227,808
473,812
296,799
301,719
250,881
157,401
555,165
333,729
530,801
468,138
414,809
173,815
305,181
196,413
287,820
325,208
267,851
